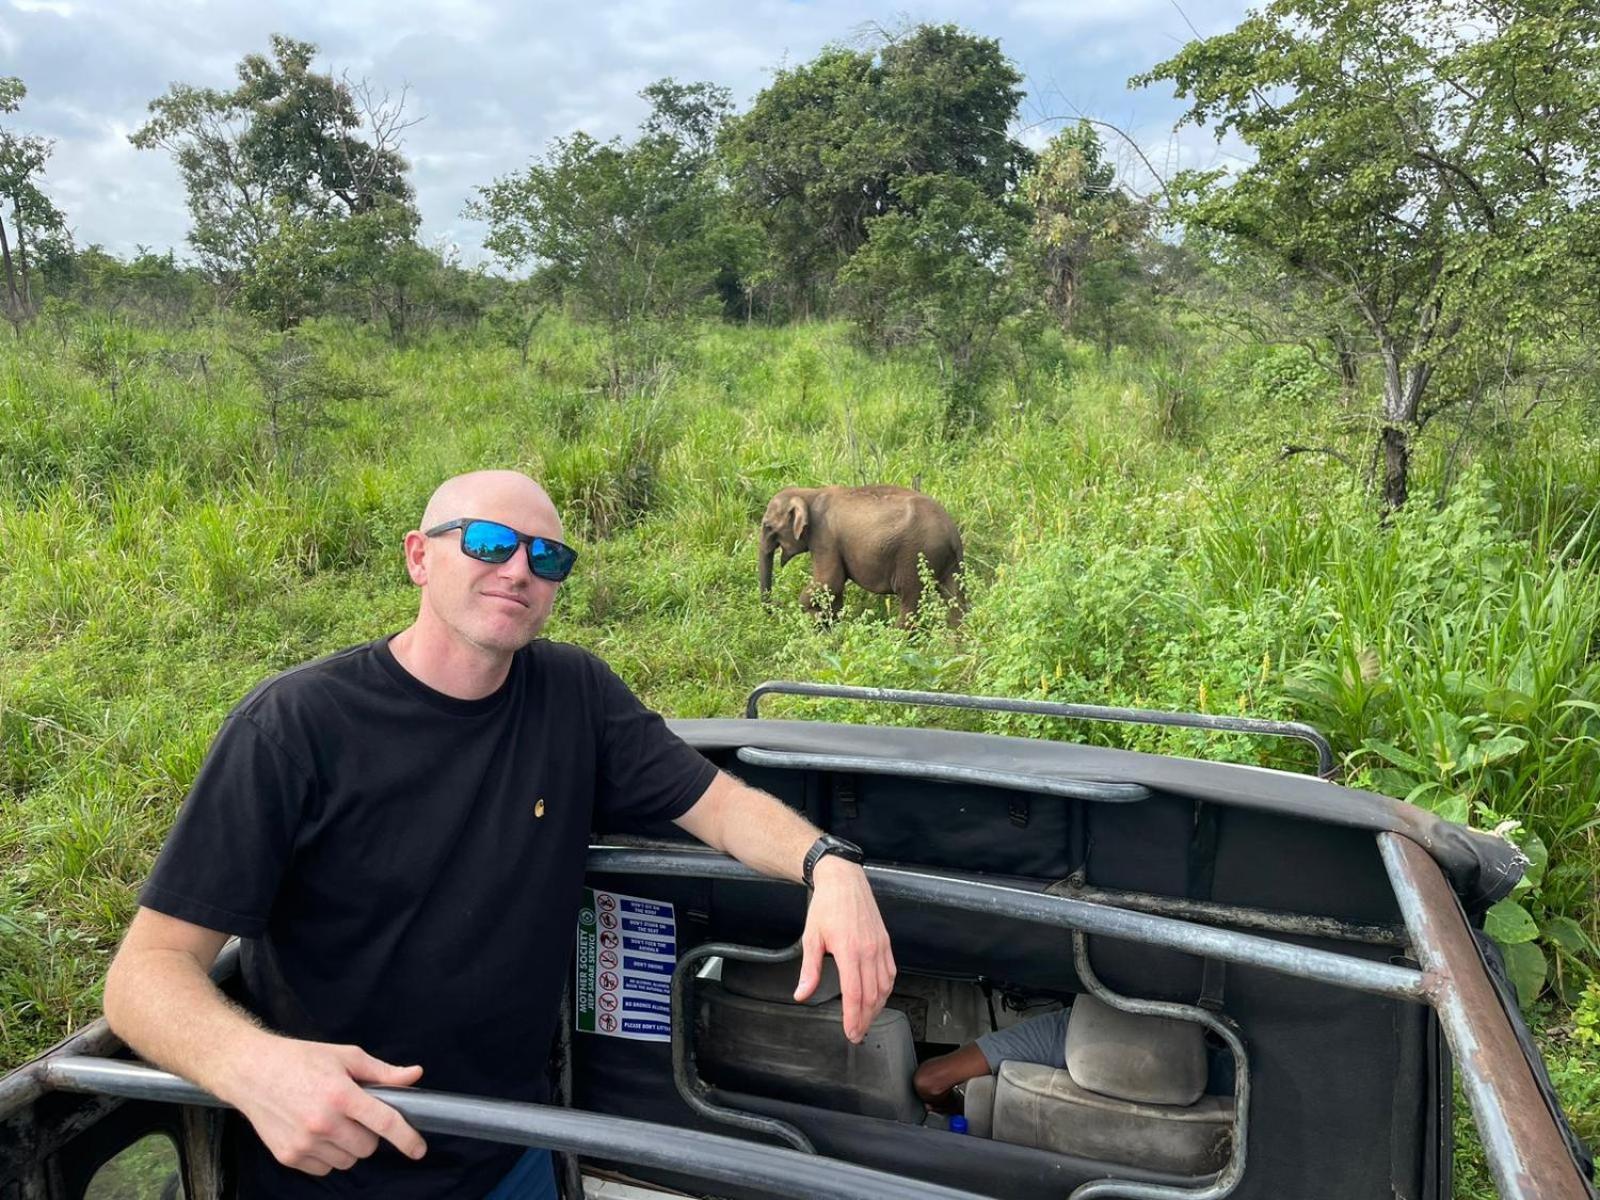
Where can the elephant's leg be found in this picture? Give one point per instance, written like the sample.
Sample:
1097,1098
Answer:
910,594
955,601
824,595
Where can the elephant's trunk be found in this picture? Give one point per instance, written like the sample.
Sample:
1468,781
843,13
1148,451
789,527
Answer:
767,551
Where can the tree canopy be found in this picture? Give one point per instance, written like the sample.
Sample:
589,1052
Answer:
286,147
830,145
1432,169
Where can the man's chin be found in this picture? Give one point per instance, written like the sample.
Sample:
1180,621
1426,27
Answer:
506,641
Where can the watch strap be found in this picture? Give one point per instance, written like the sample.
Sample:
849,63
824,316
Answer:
825,845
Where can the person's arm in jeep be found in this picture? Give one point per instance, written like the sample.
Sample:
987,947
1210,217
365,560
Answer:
303,1098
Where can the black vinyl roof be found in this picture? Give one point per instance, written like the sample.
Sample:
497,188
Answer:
1482,868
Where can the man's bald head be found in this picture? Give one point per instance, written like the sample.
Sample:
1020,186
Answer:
506,496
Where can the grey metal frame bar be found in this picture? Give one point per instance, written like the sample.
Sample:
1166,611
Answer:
1213,912
1228,1178
1520,1138
953,890
708,1156
684,1072
1016,781
1079,712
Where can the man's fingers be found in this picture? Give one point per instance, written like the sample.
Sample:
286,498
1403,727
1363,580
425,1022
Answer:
886,974
810,966
388,1124
855,1023
367,1069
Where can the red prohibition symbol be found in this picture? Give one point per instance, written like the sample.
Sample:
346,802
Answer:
608,958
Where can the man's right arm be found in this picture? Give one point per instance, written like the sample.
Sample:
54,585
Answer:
303,1098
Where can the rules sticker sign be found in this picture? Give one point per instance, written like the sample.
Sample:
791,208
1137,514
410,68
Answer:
627,948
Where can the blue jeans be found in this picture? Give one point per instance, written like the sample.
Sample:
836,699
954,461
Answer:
533,1178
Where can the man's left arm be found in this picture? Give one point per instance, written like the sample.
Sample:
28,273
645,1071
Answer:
842,919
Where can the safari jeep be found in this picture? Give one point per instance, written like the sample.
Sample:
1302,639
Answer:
1277,983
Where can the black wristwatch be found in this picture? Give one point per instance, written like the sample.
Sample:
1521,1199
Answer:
825,845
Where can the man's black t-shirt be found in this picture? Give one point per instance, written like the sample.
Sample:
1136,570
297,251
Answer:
406,868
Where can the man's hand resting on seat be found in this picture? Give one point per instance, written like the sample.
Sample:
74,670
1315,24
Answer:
305,1102
843,921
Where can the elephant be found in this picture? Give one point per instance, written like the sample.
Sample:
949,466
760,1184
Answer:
874,535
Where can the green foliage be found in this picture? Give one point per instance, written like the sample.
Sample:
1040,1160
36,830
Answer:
273,167
626,233
38,227
825,148
941,273
160,559
1084,226
1424,172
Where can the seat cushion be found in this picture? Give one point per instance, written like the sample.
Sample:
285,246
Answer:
799,1052
1150,1060
1043,1107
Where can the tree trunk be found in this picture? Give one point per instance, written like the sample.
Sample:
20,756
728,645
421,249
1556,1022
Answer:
1402,396
22,259
13,301
1396,462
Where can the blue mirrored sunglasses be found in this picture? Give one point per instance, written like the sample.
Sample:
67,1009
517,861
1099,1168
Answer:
490,541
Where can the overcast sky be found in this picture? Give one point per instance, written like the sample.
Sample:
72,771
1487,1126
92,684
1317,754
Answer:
496,81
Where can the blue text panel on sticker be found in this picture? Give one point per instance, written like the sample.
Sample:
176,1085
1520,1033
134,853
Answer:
639,1004
654,966
647,945
644,908
658,1028
656,987
640,925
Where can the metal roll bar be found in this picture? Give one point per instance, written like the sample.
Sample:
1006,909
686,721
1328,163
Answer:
1048,708
955,890
1228,1178
1016,781
709,1156
1521,1139
684,1071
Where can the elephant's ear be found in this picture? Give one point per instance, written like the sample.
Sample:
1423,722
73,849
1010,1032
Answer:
799,515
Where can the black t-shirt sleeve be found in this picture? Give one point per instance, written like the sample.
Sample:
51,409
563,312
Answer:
226,855
647,772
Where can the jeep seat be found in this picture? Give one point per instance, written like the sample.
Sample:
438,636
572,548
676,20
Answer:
751,1036
1131,1093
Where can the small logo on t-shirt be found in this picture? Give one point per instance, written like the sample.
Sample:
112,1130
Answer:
538,809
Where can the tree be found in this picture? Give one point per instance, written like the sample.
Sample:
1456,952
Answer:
942,272
1432,169
269,163
824,149
36,224
624,232
1084,226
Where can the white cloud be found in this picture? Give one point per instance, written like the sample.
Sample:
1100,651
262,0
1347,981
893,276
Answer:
497,81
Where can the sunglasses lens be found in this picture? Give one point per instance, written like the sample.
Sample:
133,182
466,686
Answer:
551,560
488,541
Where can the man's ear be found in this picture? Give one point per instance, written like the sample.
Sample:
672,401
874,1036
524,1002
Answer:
415,546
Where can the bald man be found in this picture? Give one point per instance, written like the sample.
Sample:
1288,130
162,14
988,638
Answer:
397,833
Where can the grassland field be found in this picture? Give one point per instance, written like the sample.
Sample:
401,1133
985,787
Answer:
1134,537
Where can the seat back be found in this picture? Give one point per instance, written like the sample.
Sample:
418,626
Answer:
1132,1093
751,1036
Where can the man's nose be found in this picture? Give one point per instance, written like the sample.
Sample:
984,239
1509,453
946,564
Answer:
516,567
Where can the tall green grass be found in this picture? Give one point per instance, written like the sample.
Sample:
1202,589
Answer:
1130,540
